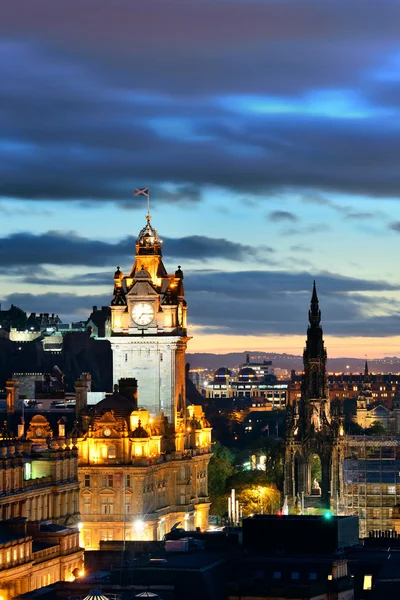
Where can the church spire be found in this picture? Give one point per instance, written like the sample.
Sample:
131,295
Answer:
314,314
367,379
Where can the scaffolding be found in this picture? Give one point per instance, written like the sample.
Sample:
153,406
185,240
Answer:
371,480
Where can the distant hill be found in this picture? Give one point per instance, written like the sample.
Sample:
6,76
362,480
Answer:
291,361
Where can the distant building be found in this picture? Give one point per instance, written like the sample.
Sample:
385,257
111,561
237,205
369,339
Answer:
258,386
370,411
342,386
42,386
14,317
261,368
99,322
197,378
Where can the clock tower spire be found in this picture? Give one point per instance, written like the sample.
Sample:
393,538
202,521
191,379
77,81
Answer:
148,328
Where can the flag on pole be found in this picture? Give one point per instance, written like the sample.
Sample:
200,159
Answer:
141,192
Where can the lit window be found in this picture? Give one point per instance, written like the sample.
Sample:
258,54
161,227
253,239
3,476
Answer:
111,452
277,574
87,505
330,577
367,582
391,489
107,506
27,471
295,575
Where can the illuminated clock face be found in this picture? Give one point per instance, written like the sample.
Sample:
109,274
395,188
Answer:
107,432
39,432
142,313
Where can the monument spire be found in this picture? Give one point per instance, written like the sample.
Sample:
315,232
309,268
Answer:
314,314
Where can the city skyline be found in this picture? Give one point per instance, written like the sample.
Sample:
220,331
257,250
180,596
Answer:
267,134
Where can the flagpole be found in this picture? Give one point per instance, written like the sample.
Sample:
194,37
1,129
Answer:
144,192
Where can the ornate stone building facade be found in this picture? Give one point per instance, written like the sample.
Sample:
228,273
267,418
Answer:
148,324
314,431
143,454
39,502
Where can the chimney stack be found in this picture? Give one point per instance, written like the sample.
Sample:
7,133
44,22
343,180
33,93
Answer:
82,387
12,389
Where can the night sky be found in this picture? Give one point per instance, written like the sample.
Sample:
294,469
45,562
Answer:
268,133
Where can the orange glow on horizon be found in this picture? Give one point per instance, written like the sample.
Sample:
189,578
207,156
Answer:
354,347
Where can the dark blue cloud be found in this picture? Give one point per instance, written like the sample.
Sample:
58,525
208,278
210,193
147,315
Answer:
19,250
277,216
282,96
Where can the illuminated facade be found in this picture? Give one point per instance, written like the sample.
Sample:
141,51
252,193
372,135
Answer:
254,384
148,324
266,394
143,454
39,505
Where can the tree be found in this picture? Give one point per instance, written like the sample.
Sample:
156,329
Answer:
377,428
255,493
273,449
219,471
353,428
220,451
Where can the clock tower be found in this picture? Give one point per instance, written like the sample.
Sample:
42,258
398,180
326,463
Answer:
148,329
